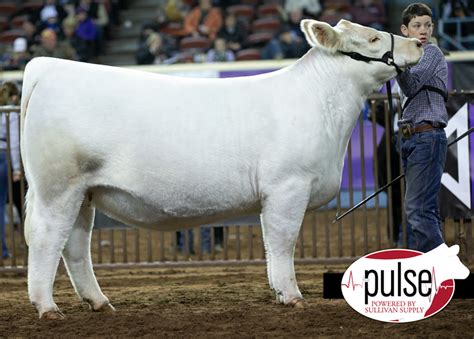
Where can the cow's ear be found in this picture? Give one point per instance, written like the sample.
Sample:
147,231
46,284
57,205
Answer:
320,33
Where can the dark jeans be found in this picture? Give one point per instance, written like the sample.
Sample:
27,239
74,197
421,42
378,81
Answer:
424,156
205,239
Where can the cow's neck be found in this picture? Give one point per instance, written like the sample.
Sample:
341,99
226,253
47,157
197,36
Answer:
342,91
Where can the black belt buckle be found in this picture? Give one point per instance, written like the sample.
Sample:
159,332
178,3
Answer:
406,131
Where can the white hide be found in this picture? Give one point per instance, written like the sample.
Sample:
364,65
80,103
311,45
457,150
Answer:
158,151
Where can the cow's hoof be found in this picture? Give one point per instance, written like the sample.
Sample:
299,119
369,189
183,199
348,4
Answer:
297,303
52,315
106,308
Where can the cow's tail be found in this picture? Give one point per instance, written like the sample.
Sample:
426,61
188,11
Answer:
31,77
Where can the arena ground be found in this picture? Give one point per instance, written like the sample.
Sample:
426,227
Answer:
210,301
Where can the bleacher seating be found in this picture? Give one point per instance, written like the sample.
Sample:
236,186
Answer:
242,12
197,44
3,23
7,37
266,24
18,21
268,10
262,20
32,5
8,8
258,39
250,2
248,54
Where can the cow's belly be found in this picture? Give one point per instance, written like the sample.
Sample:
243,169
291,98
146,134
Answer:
164,212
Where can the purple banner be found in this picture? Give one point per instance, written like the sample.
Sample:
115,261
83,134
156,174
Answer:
233,74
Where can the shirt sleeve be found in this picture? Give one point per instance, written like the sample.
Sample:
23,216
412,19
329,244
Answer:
413,79
14,141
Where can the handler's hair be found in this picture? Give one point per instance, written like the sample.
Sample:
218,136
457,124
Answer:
413,10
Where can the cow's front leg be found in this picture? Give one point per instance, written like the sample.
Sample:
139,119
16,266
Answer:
282,214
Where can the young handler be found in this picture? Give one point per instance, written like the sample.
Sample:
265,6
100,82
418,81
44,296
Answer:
423,144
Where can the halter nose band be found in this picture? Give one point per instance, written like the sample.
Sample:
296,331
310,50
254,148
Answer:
387,58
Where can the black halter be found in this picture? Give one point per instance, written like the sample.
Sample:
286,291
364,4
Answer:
387,58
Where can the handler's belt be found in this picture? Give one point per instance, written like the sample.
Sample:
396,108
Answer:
408,131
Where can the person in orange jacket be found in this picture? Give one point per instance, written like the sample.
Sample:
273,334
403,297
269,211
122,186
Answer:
203,20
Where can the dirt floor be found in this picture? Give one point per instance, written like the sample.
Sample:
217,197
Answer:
210,301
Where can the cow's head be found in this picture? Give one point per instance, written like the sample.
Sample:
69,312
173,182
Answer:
447,258
349,37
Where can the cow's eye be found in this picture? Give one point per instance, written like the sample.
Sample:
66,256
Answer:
374,39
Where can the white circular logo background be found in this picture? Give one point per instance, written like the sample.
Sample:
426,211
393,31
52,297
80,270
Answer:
401,285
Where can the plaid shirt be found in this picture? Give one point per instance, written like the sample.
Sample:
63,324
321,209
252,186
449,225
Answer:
432,70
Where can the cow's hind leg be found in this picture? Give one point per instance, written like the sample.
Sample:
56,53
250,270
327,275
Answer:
282,214
47,227
77,257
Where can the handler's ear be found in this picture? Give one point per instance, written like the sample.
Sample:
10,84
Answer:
320,33
404,30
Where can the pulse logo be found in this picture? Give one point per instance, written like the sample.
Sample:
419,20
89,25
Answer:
403,285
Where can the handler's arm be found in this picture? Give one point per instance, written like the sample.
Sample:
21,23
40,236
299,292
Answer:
416,77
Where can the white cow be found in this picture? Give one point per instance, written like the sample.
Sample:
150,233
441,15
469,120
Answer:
158,151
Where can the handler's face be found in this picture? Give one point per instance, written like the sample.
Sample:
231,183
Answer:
420,27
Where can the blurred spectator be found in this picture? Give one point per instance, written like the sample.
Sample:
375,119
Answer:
203,20
175,10
369,13
50,47
8,95
70,8
114,12
309,8
30,33
333,12
97,13
219,238
181,239
220,52
285,45
457,9
44,12
86,33
205,239
19,57
155,25
232,32
153,51
12,96
49,19
83,52
294,20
